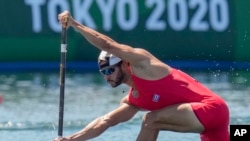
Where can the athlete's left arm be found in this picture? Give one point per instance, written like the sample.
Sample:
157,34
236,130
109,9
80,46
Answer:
121,114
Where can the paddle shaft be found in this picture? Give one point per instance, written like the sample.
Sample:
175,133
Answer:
62,78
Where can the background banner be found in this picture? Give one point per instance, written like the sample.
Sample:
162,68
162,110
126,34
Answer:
213,30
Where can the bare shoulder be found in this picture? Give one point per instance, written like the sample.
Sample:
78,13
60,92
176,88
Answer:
149,67
140,57
143,63
124,100
132,55
143,53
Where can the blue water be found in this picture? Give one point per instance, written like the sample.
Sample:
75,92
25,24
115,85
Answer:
29,111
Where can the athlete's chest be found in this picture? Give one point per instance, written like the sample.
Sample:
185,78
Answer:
152,94
148,100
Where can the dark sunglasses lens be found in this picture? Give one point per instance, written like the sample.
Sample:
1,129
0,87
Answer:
107,71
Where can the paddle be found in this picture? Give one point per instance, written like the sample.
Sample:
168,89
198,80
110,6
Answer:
62,77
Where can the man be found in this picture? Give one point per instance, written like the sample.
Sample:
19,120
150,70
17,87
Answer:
175,101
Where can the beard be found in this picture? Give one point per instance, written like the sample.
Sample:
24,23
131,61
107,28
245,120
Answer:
118,80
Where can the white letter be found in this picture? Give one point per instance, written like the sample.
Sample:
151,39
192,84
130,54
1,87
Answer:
154,21
106,10
178,14
36,14
243,131
237,132
81,12
129,22
197,22
52,13
219,15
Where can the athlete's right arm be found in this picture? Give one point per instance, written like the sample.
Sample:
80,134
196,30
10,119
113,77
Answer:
123,113
135,56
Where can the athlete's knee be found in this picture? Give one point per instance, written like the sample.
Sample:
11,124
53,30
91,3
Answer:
148,120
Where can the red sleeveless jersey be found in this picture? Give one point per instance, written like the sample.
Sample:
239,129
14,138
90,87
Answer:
175,88
178,87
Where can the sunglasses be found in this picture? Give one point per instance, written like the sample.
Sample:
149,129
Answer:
107,71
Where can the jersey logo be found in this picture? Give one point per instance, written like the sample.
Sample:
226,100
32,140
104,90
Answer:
156,98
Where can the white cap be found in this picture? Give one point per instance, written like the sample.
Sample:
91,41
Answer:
109,58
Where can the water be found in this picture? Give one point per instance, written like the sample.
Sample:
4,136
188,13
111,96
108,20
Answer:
29,111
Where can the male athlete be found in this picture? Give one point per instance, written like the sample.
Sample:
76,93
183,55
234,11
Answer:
174,100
